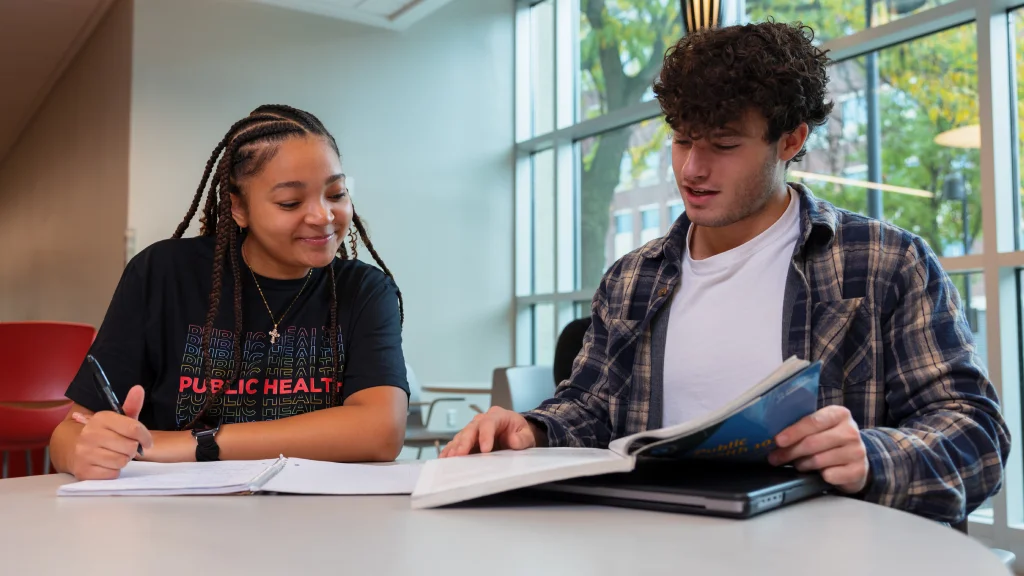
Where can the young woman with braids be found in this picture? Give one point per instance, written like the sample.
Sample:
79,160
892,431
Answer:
263,335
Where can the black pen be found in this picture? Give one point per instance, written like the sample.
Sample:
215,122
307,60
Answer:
105,389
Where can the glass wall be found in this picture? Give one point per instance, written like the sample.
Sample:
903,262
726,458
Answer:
924,134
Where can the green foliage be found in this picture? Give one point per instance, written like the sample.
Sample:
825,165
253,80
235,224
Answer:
927,86
622,44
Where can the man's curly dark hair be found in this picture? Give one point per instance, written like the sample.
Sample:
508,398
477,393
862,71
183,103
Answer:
712,77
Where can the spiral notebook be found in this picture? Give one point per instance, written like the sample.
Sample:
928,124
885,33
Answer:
281,475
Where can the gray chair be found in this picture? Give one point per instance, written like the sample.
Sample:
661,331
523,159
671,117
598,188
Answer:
417,435
1005,556
522,388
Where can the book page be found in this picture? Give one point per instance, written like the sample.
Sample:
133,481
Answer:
154,478
300,476
453,480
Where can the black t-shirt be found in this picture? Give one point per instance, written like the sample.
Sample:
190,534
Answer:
152,336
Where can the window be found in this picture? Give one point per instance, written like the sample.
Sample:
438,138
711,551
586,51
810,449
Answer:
904,143
546,321
675,210
543,222
622,242
831,19
650,224
606,161
971,288
542,62
925,91
854,117
544,336
1016,23
634,33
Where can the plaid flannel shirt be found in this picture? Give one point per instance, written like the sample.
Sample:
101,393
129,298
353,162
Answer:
867,299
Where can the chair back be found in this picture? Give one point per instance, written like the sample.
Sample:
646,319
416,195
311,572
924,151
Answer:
570,342
1005,556
41,358
521,388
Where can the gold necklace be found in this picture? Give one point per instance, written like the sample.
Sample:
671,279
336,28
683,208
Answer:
274,334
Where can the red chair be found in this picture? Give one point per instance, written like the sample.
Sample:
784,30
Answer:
39,360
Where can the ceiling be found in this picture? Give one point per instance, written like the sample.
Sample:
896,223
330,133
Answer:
38,39
390,14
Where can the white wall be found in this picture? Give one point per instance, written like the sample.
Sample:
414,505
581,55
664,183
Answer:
424,121
64,187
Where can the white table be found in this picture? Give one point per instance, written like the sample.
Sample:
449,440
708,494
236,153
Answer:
283,535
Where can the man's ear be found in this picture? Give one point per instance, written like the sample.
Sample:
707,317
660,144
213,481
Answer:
239,211
792,142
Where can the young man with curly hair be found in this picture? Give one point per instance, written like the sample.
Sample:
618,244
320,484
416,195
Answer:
757,270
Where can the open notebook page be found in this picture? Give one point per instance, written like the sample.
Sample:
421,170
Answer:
153,478
301,476
285,475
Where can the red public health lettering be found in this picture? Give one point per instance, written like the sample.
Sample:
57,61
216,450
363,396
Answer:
252,386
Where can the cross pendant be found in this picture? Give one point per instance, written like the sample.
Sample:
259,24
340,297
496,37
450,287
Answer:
274,335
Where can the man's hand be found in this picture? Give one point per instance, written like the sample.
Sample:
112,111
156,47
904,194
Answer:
829,441
496,429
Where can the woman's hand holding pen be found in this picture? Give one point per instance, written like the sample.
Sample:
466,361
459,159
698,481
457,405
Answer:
109,441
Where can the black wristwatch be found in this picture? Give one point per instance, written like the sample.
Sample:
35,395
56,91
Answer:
206,444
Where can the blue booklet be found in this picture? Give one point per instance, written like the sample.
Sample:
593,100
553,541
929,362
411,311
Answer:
742,431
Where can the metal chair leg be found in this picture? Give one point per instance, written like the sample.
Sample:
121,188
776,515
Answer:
4,475
46,460
419,453
28,462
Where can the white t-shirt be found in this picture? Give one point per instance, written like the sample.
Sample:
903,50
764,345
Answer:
725,322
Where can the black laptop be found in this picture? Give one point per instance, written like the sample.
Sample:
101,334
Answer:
693,487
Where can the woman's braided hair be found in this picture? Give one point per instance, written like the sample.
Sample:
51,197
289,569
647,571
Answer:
243,151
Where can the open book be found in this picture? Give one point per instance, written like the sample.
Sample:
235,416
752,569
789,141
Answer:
742,431
284,475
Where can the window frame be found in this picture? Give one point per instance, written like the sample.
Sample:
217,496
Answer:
998,262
